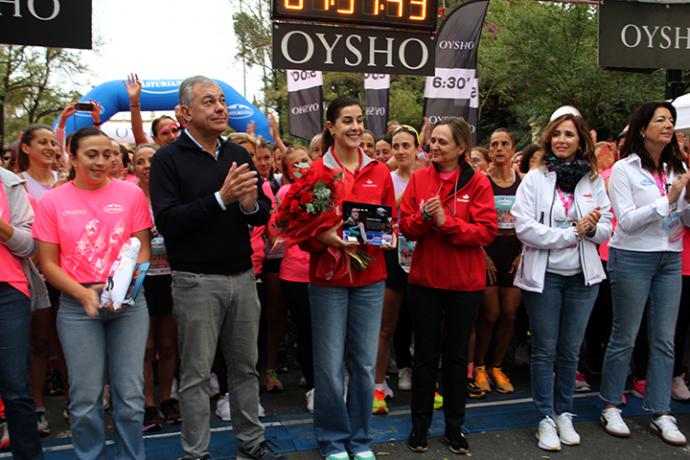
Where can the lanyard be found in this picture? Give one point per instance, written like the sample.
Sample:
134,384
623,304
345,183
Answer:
566,199
661,183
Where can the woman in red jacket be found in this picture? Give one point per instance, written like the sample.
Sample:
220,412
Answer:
346,309
448,208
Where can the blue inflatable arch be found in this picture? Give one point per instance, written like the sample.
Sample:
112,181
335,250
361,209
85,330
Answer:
163,95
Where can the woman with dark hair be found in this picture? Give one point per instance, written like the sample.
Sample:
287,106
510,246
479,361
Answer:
81,227
384,149
36,153
501,299
368,144
561,213
405,144
531,158
480,159
648,189
165,130
17,296
346,311
448,208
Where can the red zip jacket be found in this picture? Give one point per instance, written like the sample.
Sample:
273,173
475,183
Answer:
371,183
449,257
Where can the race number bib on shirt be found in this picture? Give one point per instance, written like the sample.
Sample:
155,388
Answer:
504,203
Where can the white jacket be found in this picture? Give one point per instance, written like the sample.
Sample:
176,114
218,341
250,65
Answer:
535,227
640,208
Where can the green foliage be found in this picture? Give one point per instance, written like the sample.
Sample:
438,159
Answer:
30,89
533,58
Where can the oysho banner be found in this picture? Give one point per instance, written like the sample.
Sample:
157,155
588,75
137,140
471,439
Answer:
453,91
305,103
376,89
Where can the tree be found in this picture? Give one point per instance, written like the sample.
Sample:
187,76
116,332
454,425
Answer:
30,89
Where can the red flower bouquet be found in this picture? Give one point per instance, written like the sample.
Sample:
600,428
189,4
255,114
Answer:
312,206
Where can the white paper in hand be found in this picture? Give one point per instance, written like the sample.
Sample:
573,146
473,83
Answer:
120,275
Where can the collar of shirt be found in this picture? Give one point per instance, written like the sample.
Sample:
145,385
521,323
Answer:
219,144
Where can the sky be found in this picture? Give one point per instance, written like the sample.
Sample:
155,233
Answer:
162,39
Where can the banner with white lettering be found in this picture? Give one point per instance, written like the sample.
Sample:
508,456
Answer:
453,91
305,103
376,88
49,23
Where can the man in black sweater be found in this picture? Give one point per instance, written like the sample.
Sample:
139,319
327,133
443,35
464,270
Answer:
205,192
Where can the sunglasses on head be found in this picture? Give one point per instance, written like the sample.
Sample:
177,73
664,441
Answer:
172,128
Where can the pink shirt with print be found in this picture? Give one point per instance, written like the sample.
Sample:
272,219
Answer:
90,226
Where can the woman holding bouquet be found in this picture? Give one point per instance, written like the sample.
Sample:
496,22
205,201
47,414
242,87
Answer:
448,208
81,227
346,304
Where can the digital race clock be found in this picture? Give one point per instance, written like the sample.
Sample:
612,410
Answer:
413,14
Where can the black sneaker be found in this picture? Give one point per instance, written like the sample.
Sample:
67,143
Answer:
416,443
474,392
261,452
171,411
152,420
457,443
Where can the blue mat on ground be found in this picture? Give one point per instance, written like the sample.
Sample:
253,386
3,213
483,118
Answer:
295,432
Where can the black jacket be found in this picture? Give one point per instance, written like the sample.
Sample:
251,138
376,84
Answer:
199,236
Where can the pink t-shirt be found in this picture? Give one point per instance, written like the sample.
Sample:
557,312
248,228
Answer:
12,272
295,265
90,226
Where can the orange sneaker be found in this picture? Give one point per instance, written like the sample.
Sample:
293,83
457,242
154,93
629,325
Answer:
272,382
501,381
481,379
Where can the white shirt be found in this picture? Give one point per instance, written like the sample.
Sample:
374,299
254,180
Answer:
643,210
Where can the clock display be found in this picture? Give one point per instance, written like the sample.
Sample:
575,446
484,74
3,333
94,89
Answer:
413,14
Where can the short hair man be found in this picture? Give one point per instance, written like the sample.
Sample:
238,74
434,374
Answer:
205,191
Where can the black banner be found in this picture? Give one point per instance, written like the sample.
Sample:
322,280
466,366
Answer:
376,88
349,49
49,23
453,90
305,103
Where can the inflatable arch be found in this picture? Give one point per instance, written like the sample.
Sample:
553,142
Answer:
163,95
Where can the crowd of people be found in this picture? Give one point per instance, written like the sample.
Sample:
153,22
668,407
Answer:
588,236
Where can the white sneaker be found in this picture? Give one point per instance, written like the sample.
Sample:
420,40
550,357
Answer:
387,390
613,423
405,378
679,390
223,408
309,397
547,435
213,386
566,431
665,426
261,411
581,384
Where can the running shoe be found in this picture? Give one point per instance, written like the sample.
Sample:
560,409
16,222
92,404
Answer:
366,455
152,420
309,398
438,401
5,437
566,430
679,389
379,407
481,378
171,411
666,427
405,378
416,442
474,392
613,423
223,408
638,387
43,428
261,452
581,384
272,382
456,442
547,435
501,381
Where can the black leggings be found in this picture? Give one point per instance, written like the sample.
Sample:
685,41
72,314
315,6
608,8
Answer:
296,296
442,322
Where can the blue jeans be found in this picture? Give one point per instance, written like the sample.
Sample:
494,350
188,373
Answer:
558,319
118,340
639,281
344,316
15,340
